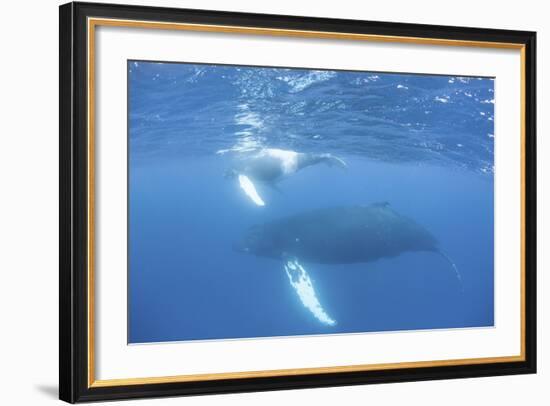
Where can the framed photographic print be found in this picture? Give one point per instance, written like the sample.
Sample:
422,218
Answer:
256,202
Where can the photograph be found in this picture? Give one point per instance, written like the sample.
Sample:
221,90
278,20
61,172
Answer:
274,203
285,201
254,201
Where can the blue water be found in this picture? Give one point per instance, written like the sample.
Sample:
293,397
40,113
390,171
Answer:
423,143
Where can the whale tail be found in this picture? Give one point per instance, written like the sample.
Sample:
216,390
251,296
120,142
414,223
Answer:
455,268
332,160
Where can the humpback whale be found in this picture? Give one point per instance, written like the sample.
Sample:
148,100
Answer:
337,235
270,165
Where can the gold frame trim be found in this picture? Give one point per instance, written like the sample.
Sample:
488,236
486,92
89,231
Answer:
94,22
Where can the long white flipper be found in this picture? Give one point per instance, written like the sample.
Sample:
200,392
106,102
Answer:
301,282
250,190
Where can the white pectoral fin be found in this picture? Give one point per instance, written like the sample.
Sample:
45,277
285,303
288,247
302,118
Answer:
250,190
302,284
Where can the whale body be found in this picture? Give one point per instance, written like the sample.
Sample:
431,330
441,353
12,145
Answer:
339,235
270,165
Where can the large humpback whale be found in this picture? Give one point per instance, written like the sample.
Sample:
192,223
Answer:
270,165
338,235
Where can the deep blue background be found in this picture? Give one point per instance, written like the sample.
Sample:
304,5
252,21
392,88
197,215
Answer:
422,143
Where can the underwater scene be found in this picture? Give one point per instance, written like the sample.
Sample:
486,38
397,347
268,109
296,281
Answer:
271,201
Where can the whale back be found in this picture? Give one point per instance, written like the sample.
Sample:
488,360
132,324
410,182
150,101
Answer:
339,235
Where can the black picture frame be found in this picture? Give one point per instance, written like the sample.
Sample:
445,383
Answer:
74,385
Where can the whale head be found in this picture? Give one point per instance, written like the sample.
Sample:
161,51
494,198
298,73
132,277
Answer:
256,241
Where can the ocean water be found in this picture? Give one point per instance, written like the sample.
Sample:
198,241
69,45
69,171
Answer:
421,143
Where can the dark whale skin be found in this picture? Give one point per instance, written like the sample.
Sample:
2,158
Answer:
339,235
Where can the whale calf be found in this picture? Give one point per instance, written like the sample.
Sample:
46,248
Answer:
337,235
271,165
